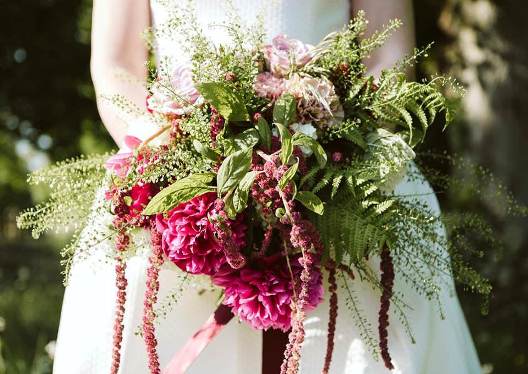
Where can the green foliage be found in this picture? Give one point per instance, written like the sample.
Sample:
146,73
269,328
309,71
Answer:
288,176
171,164
205,151
310,201
247,139
180,191
366,331
225,99
286,143
349,130
300,139
210,64
238,200
233,170
354,228
264,131
73,185
198,126
411,106
284,110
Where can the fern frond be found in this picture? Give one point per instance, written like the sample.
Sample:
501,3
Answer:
336,183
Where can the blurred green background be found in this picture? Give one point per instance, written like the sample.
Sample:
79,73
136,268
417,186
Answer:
47,113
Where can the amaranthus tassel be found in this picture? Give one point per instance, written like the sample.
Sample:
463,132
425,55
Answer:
151,296
332,317
122,242
387,283
292,355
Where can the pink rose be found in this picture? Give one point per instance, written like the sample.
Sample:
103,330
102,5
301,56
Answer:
284,53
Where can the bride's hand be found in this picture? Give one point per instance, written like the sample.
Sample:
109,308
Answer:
379,12
118,50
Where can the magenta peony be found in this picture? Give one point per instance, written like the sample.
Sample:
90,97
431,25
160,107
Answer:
188,235
262,295
284,54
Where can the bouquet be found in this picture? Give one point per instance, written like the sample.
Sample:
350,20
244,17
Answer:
268,168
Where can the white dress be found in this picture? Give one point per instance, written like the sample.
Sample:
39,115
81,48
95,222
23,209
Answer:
84,342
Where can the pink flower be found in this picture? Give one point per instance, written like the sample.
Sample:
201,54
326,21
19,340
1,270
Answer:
284,53
269,86
174,95
189,235
261,295
141,195
120,162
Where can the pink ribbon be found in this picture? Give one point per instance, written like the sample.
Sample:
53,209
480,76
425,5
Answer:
183,359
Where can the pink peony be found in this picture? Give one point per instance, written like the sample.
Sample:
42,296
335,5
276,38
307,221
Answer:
269,86
188,235
284,53
176,99
262,295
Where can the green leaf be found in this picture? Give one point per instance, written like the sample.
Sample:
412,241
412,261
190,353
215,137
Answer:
310,201
205,150
241,194
286,143
301,139
229,208
354,135
264,131
246,139
285,110
180,191
225,99
289,175
233,169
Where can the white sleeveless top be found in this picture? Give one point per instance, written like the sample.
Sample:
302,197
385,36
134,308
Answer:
84,343
307,20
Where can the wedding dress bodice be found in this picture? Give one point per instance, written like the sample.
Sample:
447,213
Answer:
307,20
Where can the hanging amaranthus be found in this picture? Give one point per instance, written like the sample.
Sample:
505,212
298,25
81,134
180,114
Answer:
151,296
122,242
387,283
332,316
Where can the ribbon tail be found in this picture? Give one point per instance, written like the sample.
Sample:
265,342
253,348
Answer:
183,359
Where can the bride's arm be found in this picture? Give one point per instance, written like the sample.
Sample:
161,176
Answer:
379,12
117,47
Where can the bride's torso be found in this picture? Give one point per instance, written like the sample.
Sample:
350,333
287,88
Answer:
307,20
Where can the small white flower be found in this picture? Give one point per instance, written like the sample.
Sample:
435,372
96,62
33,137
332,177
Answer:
307,129
50,349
